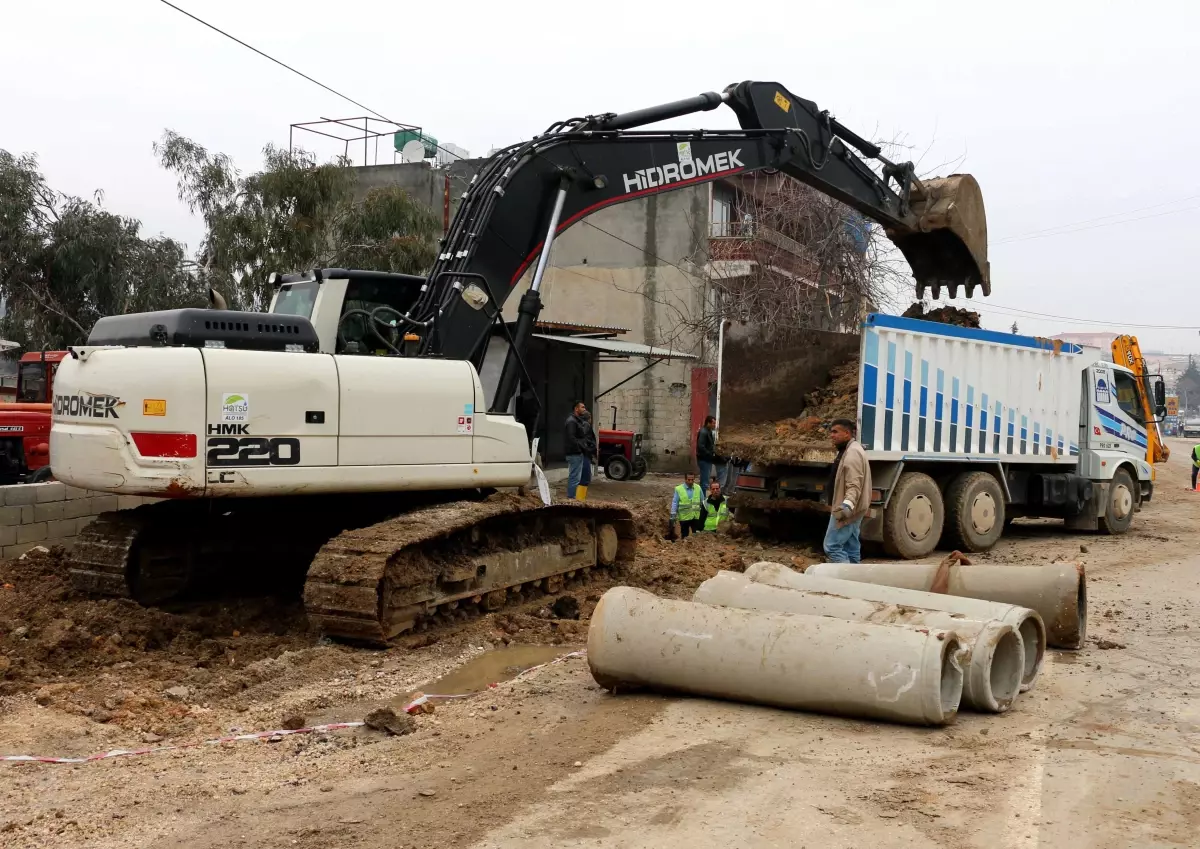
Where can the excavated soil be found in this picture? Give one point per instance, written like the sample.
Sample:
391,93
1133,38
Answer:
807,436
944,315
787,439
180,671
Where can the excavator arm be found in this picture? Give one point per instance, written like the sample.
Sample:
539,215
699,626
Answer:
530,192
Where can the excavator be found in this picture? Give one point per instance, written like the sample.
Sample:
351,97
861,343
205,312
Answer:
342,444
1127,352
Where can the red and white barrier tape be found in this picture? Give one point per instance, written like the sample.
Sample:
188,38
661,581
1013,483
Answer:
260,735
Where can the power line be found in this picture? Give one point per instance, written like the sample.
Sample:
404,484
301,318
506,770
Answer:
282,64
1096,226
1020,236
1022,313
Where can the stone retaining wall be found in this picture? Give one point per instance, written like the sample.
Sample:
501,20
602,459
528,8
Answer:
51,514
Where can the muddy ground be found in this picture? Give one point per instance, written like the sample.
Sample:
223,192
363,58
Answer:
1105,752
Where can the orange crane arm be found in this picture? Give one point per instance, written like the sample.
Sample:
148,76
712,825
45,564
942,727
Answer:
1127,352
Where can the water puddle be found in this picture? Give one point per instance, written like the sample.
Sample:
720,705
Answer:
491,667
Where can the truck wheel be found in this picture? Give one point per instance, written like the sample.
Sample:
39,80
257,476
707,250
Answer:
617,468
1122,499
974,512
639,468
913,520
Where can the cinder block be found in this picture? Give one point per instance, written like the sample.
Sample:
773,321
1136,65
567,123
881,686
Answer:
53,491
10,516
82,522
19,494
13,551
77,508
103,503
128,502
48,512
61,528
27,513
35,532
73,493
8,535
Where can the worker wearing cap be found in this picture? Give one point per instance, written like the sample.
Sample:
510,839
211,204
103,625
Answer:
686,505
850,484
716,507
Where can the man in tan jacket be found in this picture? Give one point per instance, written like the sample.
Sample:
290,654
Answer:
850,485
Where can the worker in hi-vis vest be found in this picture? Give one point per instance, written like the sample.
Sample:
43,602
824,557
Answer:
716,507
1195,464
686,505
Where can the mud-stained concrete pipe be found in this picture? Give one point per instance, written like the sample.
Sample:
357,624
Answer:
993,670
1026,622
899,673
1057,591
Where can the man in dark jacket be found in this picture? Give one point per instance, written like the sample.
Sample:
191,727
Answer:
578,442
706,450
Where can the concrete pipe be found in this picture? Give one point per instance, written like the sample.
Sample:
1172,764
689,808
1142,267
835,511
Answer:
1024,621
1057,591
815,663
993,668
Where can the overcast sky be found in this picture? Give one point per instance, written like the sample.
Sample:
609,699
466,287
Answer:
1065,111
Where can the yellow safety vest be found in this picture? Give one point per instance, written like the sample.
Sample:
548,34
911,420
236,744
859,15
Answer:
1195,458
714,518
689,503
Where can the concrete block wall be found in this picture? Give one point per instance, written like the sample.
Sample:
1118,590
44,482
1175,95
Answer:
52,514
660,409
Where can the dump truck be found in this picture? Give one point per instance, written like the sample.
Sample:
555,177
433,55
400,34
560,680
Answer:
965,429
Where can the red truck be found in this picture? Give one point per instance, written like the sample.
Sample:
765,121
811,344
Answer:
25,423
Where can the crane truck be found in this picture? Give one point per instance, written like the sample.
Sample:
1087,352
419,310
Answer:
287,447
965,429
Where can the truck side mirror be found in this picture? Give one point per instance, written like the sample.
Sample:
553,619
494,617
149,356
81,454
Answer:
1160,398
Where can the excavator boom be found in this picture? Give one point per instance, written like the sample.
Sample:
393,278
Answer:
528,193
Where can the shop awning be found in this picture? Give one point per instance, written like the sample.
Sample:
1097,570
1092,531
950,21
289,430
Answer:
617,348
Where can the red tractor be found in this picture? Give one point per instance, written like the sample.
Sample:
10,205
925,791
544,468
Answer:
621,455
25,424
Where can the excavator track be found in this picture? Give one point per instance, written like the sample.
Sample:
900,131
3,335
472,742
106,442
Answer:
440,563
372,568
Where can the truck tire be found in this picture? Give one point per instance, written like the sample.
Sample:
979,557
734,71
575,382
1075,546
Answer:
617,468
975,512
915,515
1122,499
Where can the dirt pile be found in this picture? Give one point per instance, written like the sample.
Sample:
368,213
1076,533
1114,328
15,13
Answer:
944,315
798,438
806,437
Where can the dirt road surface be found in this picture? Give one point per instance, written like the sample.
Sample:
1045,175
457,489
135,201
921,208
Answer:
1104,752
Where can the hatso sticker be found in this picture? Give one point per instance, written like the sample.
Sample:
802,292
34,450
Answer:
154,407
235,407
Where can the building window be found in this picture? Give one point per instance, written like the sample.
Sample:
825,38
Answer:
723,203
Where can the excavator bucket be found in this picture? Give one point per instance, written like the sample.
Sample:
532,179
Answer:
949,247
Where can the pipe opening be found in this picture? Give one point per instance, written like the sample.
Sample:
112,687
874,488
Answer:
1007,671
952,678
1035,649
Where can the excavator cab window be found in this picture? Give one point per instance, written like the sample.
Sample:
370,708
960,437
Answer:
1127,396
383,299
297,298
